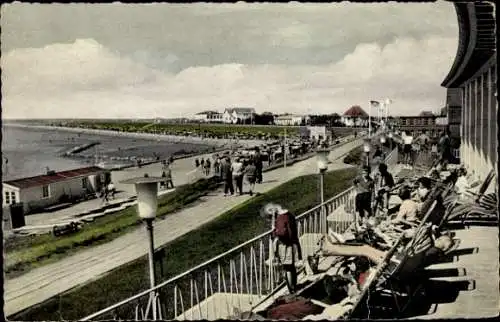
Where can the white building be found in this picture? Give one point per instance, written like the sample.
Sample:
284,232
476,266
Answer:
319,133
233,115
52,188
208,117
290,119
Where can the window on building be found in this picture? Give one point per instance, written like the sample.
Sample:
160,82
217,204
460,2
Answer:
84,182
13,197
7,197
45,192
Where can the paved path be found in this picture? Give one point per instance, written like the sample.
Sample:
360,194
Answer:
49,280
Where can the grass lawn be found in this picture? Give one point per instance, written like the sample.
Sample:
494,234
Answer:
230,229
208,130
24,253
355,157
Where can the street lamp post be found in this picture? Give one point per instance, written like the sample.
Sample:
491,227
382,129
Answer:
322,161
366,149
382,142
284,150
147,204
390,140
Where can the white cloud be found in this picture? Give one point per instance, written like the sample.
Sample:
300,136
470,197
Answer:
85,79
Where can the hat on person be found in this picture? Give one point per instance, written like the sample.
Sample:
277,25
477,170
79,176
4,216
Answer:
281,211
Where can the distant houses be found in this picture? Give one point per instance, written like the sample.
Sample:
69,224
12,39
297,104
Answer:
291,120
238,115
209,117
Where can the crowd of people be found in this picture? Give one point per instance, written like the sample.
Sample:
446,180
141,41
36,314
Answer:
419,144
379,226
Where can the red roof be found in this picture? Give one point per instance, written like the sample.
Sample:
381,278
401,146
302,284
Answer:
355,110
46,179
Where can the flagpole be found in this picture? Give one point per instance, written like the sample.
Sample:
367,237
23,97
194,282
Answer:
369,118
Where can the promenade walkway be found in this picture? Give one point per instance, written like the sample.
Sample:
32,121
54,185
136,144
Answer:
47,281
473,293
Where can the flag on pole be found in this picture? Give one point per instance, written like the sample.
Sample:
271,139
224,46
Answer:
375,104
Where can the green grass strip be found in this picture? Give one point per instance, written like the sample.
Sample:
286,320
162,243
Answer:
25,253
199,245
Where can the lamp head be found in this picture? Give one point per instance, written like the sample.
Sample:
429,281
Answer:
366,146
382,139
390,135
147,195
322,158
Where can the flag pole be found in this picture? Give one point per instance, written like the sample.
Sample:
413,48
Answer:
369,119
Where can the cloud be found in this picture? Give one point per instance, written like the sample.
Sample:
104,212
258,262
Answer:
86,79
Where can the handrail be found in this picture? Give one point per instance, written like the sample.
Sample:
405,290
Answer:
208,262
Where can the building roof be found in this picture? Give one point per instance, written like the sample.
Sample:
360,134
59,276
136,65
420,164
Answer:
240,110
355,110
45,179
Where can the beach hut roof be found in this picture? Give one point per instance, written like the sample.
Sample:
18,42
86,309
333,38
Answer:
42,180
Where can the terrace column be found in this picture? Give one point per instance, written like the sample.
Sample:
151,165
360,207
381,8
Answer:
485,124
475,127
463,127
479,128
469,132
493,112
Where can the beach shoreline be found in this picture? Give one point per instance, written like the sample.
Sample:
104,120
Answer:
220,143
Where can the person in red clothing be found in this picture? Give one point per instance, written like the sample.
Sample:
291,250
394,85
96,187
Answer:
287,247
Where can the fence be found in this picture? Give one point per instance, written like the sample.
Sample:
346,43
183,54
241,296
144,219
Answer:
234,281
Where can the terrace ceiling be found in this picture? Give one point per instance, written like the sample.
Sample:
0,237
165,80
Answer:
477,41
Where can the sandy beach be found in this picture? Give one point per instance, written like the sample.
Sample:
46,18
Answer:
150,136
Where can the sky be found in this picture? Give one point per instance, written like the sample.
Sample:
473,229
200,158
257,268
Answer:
174,60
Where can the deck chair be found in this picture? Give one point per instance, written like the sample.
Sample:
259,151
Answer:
479,206
485,210
471,195
402,278
370,286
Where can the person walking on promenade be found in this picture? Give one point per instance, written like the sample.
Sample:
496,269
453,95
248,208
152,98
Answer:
105,199
167,174
227,176
251,174
444,147
217,165
364,188
111,190
207,167
258,165
386,184
237,167
196,163
202,163
407,149
286,245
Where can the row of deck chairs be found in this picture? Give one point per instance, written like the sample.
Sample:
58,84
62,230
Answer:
401,277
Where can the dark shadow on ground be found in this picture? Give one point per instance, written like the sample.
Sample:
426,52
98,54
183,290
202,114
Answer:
444,272
424,302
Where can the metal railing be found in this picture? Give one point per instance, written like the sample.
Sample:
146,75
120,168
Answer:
236,280
231,282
